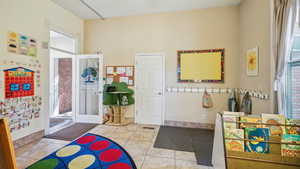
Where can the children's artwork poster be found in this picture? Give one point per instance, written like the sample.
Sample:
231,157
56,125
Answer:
288,149
292,129
19,82
276,120
21,44
20,88
252,62
234,145
258,135
89,72
21,110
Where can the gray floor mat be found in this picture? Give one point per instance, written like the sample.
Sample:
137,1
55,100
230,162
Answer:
199,141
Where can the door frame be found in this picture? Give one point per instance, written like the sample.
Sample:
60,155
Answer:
47,114
89,118
163,57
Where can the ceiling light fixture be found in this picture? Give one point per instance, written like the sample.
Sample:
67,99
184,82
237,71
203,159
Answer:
92,9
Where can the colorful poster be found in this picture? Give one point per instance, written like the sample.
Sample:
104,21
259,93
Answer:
19,82
21,111
290,150
129,71
32,48
21,44
249,120
12,43
230,117
230,122
234,145
257,135
292,129
109,70
252,62
274,119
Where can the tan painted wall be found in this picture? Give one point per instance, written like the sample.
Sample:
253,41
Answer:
35,18
121,38
255,20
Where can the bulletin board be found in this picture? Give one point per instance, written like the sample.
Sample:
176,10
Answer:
201,66
120,74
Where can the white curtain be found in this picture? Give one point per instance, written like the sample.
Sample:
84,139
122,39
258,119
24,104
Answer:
285,13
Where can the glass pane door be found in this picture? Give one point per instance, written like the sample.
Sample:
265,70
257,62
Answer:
89,89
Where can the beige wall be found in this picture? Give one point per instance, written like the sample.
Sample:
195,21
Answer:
255,27
121,38
35,18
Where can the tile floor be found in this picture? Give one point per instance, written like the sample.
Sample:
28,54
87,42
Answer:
137,140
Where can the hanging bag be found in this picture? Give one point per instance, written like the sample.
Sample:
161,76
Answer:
207,100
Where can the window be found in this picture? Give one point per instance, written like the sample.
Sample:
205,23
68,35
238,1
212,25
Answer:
293,81
62,42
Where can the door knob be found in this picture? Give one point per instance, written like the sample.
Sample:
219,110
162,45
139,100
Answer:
159,93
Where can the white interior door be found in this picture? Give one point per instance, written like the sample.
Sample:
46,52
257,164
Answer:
89,89
150,89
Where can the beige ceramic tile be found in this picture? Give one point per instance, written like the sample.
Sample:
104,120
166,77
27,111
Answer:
143,136
138,160
159,152
158,163
121,141
139,144
122,134
181,164
53,141
23,162
183,155
136,151
128,128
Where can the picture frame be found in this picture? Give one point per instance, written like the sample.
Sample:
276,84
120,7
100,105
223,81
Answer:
252,61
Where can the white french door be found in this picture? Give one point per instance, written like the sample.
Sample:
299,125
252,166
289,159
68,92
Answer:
150,73
89,89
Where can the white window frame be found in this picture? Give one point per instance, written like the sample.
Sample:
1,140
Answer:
291,63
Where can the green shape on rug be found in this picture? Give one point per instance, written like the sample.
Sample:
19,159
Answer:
45,164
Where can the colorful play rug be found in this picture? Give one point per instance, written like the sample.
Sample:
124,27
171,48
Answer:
88,152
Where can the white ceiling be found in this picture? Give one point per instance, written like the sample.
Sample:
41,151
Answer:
113,8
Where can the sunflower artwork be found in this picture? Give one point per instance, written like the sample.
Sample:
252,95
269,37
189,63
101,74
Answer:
252,62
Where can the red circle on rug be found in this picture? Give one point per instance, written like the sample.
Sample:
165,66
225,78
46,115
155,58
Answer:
99,145
110,155
119,166
86,139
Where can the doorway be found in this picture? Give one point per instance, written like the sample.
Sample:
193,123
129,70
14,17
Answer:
62,80
89,89
150,85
